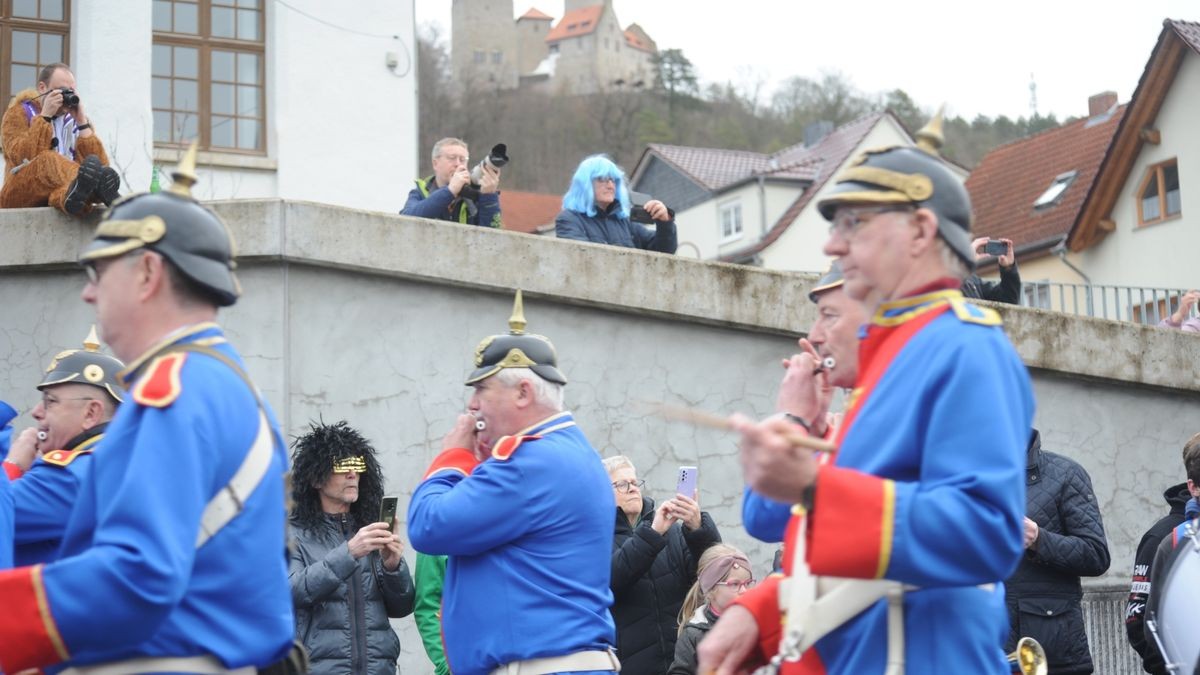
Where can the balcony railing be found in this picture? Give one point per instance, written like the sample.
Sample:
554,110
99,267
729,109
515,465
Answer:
1138,304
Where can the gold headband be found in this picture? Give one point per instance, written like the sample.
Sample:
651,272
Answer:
356,464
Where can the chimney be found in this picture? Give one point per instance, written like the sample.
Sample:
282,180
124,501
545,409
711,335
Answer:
1101,103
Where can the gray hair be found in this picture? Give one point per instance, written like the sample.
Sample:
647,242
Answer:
549,394
611,464
955,267
449,140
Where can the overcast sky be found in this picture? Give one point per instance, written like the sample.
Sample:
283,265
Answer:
976,57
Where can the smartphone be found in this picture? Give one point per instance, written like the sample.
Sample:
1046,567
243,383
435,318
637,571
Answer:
995,247
637,211
686,485
387,511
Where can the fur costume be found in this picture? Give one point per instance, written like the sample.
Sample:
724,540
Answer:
47,177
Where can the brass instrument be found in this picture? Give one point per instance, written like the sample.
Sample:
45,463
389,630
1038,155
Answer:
1029,657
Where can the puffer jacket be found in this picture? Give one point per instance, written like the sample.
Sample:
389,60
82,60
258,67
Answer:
342,605
651,574
610,227
697,627
1044,594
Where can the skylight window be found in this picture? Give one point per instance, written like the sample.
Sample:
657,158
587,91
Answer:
1056,190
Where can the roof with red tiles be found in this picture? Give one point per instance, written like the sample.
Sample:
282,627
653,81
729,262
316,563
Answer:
535,13
636,37
1177,41
1010,178
575,23
820,162
529,212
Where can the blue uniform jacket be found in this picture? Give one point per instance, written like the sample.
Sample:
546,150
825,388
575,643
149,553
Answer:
44,496
764,519
130,581
529,540
6,523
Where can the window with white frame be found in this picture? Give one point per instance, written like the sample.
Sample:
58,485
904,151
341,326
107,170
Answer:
731,221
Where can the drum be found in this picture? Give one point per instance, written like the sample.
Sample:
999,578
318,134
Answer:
1175,621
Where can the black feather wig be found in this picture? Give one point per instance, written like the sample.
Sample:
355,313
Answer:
313,456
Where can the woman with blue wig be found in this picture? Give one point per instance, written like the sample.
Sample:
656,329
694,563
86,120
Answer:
596,208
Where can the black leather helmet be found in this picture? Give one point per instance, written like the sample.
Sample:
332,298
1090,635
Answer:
517,349
85,366
830,280
909,175
174,224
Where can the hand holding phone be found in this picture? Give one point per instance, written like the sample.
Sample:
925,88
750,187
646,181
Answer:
387,511
995,247
686,485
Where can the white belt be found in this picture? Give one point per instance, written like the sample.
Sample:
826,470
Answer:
568,663
203,665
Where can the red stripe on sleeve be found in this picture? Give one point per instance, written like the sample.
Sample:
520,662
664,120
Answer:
846,524
31,639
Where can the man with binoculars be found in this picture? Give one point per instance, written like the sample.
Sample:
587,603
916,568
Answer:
457,193
52,155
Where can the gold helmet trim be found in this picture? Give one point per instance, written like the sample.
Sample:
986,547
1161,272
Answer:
136,234
914,186
517,323
184,175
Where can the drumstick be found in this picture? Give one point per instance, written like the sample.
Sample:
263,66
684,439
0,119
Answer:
703,418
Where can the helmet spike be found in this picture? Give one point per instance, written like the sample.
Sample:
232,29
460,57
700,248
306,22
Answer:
184,175
516,323
92,342
930,138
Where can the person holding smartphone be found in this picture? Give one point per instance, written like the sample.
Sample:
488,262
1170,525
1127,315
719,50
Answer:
1008,289
347,570
655,553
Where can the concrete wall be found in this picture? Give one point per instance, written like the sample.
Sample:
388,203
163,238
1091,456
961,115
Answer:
367,317
1162,254
333,107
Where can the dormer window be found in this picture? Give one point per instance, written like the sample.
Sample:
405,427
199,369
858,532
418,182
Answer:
1158,196
1052,194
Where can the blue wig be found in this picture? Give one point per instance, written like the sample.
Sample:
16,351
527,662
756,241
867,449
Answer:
581,198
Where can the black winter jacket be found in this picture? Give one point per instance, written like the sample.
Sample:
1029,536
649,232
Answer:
651,574
1135,611
1008,289
686,662
609,227
342,604
1044,594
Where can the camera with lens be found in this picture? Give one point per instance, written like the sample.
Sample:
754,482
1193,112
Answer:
638,212
497,158
69,98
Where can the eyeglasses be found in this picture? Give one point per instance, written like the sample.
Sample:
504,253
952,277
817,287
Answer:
48,400
96,268
465,159
847,222
628,485
738,585
605,179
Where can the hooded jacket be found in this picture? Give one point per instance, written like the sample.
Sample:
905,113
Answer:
651,574
1044,594
342,605
1177,498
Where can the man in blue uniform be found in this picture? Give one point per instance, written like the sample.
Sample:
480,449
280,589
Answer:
528,530
173,559
80,393
921,506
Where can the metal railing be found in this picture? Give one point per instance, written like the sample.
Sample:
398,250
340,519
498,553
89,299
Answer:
1138,304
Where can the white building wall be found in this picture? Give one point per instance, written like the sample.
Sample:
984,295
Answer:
799,248
1163,254
341,126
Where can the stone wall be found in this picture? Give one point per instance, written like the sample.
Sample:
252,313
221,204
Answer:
374,319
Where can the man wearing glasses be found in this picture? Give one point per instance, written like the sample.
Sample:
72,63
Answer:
173,559
904,533
80,394
448,194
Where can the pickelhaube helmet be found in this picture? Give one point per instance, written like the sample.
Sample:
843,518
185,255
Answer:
85,366
907,175
830,280
517,349
174,224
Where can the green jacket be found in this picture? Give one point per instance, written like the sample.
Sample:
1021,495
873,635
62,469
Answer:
427,608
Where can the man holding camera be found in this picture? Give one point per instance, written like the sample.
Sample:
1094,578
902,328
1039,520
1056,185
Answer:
449,194
52,155
1008,289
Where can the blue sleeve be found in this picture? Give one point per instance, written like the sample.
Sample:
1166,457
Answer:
42,501
568,225
764,519
435,206
489,210
6,523
144,545
961,523
663,239
450,514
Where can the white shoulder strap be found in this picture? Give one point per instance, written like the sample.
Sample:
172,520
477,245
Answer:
231,499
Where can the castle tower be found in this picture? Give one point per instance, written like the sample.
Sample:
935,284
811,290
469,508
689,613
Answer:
483,44
532,28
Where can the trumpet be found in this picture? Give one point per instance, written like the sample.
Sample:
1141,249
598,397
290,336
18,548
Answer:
1029,658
